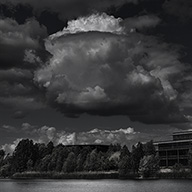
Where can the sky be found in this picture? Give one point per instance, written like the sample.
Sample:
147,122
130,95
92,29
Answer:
94,72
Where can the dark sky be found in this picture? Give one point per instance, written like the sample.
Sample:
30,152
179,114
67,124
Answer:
86,71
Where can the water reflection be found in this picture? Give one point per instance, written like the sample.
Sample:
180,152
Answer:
95,186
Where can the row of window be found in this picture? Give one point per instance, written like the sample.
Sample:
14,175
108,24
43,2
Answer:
174,152
172,162
182,137
174,145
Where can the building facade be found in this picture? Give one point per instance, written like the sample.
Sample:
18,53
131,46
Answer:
175,151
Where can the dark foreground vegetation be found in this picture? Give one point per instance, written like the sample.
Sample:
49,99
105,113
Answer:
62,175
37,160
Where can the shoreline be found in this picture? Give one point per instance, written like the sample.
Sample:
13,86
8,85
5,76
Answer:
94,176
76,175
50,178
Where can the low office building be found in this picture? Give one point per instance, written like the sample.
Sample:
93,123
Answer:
176,150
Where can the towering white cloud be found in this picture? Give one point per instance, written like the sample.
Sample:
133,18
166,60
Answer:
98,69
95,22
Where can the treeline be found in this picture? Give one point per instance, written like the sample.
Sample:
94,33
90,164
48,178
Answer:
41,158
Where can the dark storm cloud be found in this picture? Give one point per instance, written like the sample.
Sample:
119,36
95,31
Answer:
97,64
16,38
19,114
18,92
21,46
8,128
98,68
15,75
16,82
71,8
25,104
182,9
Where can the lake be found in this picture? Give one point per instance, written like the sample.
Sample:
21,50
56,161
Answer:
95,185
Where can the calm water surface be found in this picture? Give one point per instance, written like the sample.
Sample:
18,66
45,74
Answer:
95,186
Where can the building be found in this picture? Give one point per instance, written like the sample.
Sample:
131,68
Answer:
176,150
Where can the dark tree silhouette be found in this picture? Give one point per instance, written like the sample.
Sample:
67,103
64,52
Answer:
70,163
149,148
137,155
23,153
93,158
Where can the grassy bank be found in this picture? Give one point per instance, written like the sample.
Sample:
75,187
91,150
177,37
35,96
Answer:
175,175
100,175
76,175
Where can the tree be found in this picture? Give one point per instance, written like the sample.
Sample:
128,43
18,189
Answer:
29,165
70,163
43,166
137,155
50,147
125,166
22,154
42,150
149,166
76,150
114,148
190,159
2,154
93,164
53,161
124,152
87,163
80,162
62,156
113,164
100,161
5,168
149,148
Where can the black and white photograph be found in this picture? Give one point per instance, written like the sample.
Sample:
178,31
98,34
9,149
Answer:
95,95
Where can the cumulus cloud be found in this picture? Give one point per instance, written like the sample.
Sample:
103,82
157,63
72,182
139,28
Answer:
8,128
45,134
18,114
67,138
31,57
124,136
141,22
98,69
98,136
26,127
9,148
129,130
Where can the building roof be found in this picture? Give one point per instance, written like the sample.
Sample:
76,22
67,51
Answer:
182,133
172,141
